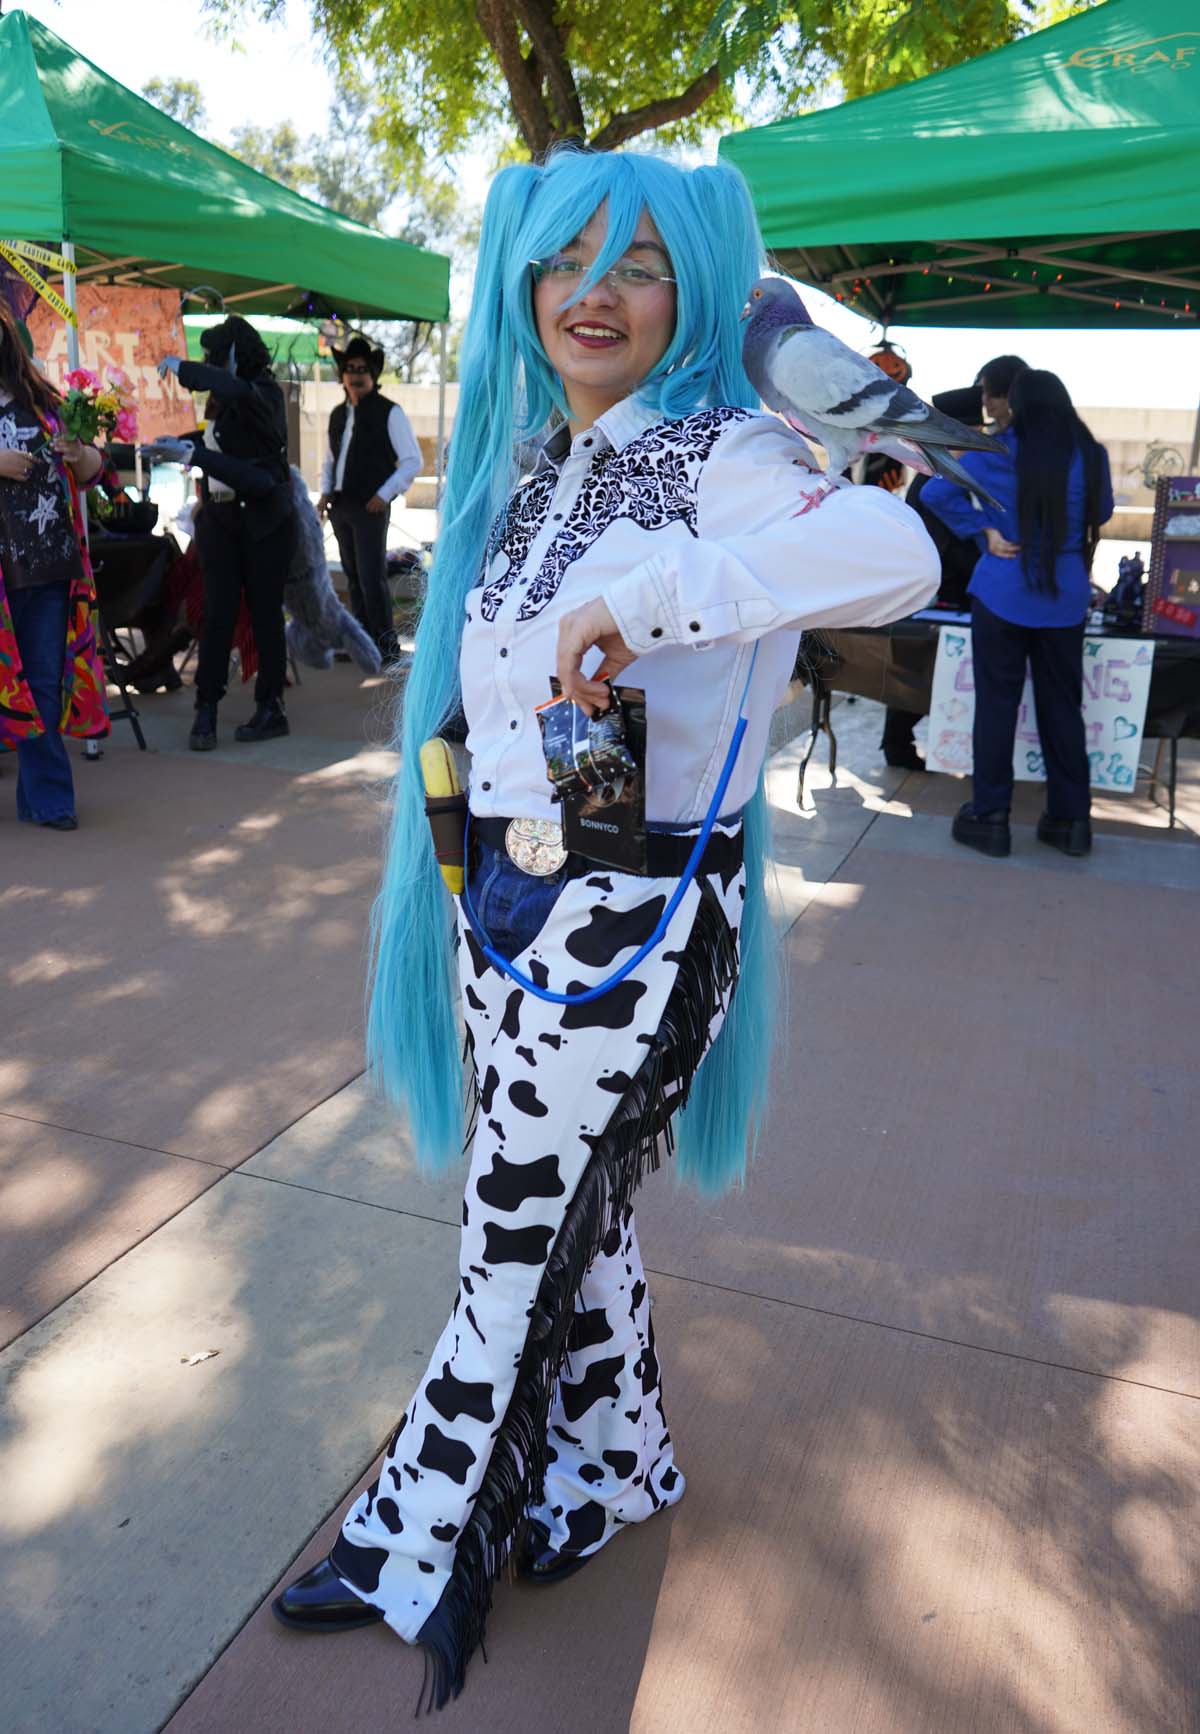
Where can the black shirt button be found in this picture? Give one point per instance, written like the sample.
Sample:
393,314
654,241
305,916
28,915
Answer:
587,442
485,785
693,626
468,620
558,517
504,653
514,724
656,632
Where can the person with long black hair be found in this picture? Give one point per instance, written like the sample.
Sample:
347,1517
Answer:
245,523
1029,600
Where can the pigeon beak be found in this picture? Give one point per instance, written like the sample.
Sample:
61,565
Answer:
744,315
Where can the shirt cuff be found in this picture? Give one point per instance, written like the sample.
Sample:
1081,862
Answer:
643,606
399,482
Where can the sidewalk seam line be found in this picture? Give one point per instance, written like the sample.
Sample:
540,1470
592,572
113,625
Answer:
221,1172
926,1336
771,1299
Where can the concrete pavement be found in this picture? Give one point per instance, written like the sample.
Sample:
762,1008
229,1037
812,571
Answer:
934,1376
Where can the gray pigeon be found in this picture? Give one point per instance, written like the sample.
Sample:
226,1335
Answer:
838,398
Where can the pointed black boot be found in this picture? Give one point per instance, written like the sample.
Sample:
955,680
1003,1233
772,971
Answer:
539,1563
203,737
266,724
320,1602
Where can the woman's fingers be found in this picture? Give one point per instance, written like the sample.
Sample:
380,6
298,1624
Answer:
578,631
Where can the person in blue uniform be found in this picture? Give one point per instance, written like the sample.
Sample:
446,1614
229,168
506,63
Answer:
1030,593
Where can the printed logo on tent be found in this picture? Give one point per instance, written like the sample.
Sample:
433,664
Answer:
127,133
1159,51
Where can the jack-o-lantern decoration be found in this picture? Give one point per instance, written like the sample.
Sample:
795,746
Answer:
893,362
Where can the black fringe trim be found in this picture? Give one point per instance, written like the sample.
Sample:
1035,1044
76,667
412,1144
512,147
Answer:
629,1147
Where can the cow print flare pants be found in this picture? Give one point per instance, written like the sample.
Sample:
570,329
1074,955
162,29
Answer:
542,1401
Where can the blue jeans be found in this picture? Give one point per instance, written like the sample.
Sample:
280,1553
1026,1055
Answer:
44,786
512,906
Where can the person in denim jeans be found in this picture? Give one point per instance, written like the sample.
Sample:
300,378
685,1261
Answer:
43,582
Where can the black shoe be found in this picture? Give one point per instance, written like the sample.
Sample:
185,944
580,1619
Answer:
1072,836
203,737
987,832
64,822
320,1602
904,761
167,679
541,1564
266,724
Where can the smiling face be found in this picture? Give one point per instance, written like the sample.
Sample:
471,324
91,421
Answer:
604,344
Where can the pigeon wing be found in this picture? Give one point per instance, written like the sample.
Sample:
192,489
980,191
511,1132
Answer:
910,416
823,380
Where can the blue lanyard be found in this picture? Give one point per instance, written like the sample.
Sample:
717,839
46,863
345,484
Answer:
664,921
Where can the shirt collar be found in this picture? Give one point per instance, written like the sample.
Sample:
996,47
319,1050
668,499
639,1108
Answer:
617,427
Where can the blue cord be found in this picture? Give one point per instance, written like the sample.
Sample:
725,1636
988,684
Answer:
664,921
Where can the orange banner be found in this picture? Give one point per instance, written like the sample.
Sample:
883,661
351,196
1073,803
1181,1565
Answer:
127,328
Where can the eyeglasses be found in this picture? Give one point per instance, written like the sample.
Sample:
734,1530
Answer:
567,269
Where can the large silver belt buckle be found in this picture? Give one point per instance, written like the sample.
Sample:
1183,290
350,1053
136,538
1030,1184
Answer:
535,846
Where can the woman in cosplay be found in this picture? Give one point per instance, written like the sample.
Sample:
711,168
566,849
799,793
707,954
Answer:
670,533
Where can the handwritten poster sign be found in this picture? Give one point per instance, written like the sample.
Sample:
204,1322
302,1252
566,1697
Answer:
130,328
1116,684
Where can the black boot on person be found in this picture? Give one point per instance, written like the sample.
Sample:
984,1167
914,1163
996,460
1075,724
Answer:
987,832
1072,836
539,1563
203,737
320,1602
266,724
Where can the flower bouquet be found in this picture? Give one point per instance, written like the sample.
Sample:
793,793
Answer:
92,406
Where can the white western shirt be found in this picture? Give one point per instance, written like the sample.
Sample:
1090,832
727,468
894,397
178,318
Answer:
704,536
404,444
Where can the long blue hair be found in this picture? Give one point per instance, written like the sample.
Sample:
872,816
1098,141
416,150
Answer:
507,393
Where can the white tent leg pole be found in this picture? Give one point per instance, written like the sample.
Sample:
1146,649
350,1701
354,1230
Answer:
441,433
68,253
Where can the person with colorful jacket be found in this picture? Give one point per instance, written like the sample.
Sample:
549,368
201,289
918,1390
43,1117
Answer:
51,672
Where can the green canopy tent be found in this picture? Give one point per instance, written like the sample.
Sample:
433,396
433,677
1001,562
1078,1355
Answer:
1053,182
141,199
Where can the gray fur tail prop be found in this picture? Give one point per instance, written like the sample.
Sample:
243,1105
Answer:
319,624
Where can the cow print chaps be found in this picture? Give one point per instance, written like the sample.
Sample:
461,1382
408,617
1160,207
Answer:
542,1401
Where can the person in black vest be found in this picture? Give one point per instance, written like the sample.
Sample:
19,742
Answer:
245,522
372,457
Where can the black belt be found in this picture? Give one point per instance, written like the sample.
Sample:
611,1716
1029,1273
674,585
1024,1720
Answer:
667,852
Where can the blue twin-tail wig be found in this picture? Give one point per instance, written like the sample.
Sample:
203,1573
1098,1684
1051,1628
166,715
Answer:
507,392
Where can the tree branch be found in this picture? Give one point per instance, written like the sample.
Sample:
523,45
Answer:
529,107
623,127
537,16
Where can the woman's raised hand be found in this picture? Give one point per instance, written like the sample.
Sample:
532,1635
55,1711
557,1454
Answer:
578,631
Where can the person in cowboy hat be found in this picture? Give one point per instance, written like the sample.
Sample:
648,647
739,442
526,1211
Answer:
372,457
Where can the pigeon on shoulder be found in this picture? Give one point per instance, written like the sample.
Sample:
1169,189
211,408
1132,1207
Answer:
835,396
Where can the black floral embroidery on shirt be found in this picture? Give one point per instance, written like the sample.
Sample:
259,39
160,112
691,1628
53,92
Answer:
652,482
513,534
